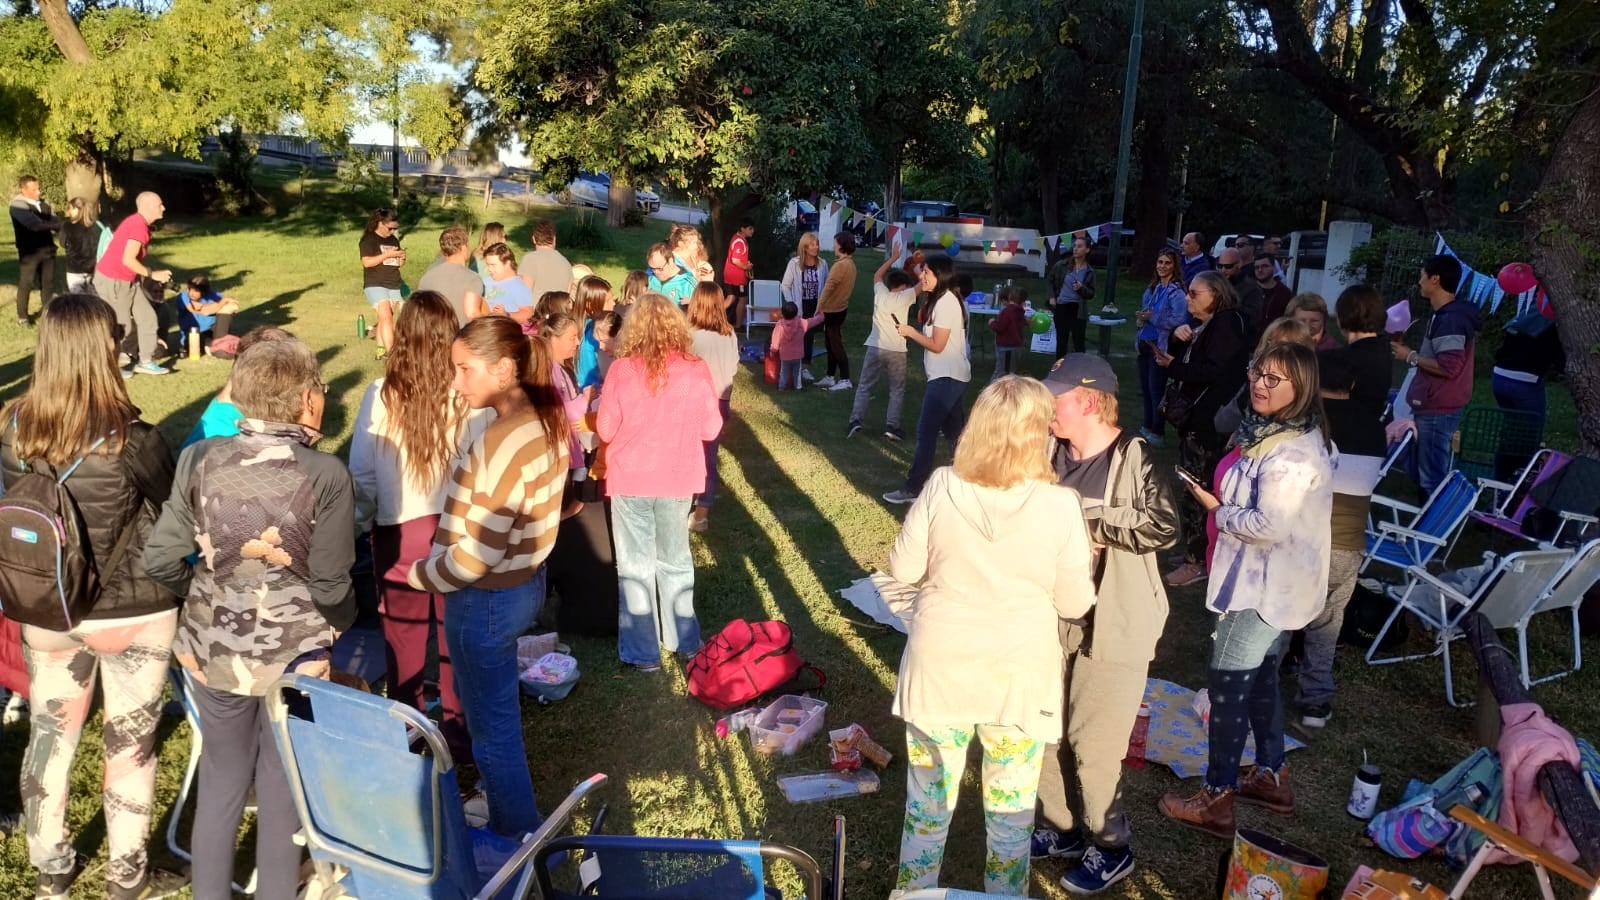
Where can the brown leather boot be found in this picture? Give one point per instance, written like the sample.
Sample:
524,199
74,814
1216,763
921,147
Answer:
1268,789
1205,810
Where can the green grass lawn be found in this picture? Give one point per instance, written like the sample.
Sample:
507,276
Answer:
799,519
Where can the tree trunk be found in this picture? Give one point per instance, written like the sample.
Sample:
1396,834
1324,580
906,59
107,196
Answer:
1049,193
83,169
893,188
1156,161
1565,234
619,199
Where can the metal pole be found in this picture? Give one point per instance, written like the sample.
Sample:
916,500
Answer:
1130,89
396,123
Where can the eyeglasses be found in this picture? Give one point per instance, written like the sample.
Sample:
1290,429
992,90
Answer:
1197,293
1266,378
321,387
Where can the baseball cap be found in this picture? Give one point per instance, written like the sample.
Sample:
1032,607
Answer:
1081,370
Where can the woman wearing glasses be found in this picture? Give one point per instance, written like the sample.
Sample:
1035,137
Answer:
1207,360
802,285
1274,511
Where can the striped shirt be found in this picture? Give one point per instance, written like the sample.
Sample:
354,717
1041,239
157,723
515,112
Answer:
501,512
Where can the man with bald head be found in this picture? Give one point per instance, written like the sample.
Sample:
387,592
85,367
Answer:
1195,259
116,278
1244,284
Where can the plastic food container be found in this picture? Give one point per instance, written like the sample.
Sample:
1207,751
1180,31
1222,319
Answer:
786,724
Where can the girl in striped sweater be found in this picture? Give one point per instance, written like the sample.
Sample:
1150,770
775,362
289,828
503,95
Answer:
500,517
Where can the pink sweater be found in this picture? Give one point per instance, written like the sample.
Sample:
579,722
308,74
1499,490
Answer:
655,442
789,335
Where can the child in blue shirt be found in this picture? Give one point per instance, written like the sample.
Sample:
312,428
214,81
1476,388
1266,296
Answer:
200,307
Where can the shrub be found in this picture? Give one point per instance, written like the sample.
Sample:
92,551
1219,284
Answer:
585,232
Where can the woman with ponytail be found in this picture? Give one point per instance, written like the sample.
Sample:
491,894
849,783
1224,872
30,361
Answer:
410,432
501,513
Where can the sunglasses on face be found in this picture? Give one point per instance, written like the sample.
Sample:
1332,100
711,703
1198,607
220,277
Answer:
1227,267
1197,294
1266,378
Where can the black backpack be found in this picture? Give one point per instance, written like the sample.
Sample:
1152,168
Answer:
48,576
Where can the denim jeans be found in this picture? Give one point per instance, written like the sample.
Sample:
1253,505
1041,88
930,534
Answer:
941,411
655,575
1243,679
878,364
789,374
1005,362
1430,455
1152,388
481,627
708,497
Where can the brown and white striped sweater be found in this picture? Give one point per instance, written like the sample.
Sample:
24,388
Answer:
501,512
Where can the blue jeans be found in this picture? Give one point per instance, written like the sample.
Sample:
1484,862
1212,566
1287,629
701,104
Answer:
941,411
789,373
1152,388
655,575
1243,680
481,628
708,497
1430,456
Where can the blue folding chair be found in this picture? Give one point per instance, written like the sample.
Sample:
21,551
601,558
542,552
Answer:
1433,527
379,807
659,868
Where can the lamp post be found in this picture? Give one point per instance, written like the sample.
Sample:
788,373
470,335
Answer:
1119,197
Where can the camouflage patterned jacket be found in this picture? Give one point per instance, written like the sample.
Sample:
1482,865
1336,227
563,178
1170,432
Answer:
272,523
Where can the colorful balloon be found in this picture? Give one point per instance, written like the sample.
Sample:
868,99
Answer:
1517,278
1040,323
954,248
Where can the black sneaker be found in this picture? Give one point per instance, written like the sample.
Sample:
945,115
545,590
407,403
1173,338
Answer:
894,434
1048,843
1315,716
55,887
855,428
157,883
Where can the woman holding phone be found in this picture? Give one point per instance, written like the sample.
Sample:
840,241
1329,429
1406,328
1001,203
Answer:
1160,311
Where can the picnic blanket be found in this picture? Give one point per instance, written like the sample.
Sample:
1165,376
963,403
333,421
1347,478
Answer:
1177,737
887,601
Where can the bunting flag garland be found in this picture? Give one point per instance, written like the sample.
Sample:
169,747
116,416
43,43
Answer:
846,214
916,237
1052,240
871,223
834,206
1094,234
1483,289
987,246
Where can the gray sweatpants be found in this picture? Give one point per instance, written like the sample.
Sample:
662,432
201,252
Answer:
873,368
1080,788
134,312
1322,635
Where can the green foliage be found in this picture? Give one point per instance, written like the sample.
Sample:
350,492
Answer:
633,217
587,232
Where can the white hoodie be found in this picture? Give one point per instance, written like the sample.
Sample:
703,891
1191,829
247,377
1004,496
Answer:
997,570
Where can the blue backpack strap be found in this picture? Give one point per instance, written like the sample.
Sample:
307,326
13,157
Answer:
74,467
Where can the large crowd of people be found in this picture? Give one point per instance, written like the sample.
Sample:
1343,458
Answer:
518,393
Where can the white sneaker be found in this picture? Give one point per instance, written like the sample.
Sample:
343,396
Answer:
844,385
476,809
825,381
805,375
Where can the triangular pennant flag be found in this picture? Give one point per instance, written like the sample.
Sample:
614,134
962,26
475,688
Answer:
1094,234
846,214
987,245
1013,245
916,237
834,206
871,223
1052,240
1038,244
889,233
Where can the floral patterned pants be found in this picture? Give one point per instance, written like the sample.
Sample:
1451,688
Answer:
936,759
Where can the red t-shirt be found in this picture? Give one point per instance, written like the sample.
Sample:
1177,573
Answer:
738,256
133,228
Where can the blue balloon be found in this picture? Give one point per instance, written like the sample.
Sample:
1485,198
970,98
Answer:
954,249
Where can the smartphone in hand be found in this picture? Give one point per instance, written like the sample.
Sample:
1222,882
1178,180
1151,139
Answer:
1189,477
895,319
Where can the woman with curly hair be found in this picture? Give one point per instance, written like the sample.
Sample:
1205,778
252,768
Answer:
410,431
658,409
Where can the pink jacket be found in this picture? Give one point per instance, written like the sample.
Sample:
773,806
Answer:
1528,740
655,442
789,335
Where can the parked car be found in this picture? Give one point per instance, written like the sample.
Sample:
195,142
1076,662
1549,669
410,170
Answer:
805,215
1228,240
911,210
1100,250
594,189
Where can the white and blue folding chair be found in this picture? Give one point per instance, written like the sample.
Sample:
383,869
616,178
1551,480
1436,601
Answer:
1432,530
1440,605
1564,592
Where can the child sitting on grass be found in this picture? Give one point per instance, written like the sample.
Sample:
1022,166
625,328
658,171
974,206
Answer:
788,339
893,292
1007,328
201,308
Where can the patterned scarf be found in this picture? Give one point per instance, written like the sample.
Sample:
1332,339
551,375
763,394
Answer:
1257,433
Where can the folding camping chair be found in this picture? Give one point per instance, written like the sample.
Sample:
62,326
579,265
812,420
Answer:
1391,458
379,807
1543,861
183,690
1440,606
1565,590
635,868
1433,527
1513,501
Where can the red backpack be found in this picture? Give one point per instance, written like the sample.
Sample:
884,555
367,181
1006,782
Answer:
744,661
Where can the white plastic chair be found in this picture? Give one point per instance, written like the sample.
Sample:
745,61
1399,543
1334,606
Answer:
1565,591
765,296
1516,581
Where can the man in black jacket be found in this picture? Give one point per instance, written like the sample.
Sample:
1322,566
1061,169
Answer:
36,228
1131,517
1243,278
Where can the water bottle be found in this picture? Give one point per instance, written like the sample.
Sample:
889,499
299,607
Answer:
1136,740
194,343
361,326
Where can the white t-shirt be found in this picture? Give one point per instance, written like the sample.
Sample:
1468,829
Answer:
885,303
952,363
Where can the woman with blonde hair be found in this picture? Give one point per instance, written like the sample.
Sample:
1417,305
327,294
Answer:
409,433
501,513
1000,554
802,285
492,233
715,342
1311,311
1274,511
658,409
75,423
